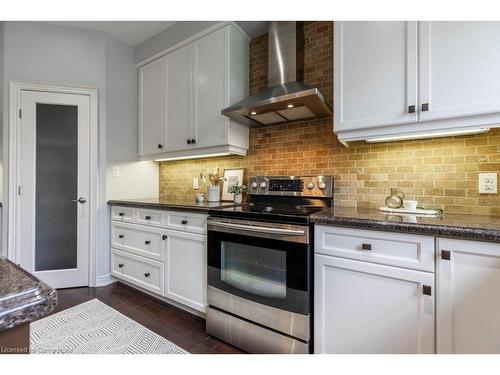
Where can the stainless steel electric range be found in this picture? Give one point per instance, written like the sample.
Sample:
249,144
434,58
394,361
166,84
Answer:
260,265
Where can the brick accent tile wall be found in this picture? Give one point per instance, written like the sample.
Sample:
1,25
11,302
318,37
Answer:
439,173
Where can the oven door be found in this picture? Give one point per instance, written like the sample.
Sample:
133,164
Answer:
266,263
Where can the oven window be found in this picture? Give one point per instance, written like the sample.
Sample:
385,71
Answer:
256,270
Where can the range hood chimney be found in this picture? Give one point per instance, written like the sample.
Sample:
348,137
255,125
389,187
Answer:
288,98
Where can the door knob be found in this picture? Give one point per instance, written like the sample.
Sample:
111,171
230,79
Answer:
81,200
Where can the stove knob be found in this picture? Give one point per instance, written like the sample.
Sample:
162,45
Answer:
254,185
263,185
310,185
322,185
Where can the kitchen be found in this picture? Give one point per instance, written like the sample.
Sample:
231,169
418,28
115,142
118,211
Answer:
382,200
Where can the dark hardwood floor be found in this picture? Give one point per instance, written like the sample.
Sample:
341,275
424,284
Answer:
176,325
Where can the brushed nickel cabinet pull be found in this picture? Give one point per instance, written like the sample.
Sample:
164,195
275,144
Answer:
366,246
445,254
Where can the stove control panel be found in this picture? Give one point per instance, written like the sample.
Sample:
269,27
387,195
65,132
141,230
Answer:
305,186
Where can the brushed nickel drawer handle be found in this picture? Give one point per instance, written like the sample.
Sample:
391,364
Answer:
366,246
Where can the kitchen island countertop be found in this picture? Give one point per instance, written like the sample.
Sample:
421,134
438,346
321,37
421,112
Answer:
23,298
464,226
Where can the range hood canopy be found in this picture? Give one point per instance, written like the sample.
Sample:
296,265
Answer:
288,98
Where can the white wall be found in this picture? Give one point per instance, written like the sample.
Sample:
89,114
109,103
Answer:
137,179
37,52
3,250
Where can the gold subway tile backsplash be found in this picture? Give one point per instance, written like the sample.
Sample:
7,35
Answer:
439,173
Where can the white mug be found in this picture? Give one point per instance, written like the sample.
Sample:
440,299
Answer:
410,205
199,197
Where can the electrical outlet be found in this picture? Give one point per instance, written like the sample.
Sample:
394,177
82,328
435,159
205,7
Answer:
195,183
487,183
116,171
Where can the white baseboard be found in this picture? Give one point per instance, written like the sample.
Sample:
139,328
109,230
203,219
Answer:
105,280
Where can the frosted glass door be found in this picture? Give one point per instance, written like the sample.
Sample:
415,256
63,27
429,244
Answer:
54,184
56,187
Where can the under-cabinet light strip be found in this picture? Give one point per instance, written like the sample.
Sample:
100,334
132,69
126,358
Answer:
427,135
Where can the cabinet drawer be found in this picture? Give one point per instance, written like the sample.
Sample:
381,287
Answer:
394,249
140,271
138,239
149,217
188,222
122,213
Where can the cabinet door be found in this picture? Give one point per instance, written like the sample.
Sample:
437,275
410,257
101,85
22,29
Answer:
468,309
180,98
459,69
370,308
212,89
186,269
152,116
375,74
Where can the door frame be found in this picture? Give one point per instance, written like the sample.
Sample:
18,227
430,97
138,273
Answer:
13,219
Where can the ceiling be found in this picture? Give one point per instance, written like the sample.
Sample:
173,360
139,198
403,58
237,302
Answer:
136,32
131,32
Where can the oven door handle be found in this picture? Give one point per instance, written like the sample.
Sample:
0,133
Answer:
254,228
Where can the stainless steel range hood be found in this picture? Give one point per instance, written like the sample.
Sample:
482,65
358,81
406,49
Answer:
288,98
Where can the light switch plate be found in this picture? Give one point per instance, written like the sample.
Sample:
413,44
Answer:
195,183
487,183
116,171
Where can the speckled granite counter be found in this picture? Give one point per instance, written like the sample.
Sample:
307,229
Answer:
160,204
23,298
475,227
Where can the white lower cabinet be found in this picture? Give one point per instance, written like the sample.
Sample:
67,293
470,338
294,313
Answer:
141,271
163,252
186,273
363,307
468,308
373,291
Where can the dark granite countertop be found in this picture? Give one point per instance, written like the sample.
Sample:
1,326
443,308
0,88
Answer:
23,298
466,226
162,204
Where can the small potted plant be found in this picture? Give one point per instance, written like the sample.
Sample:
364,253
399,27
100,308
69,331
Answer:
237,191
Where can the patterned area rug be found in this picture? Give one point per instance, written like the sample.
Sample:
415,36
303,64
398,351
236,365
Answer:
95,328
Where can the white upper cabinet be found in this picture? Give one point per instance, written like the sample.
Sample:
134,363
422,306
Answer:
460,69
394,79
199,79
152,106
468,310
375,74
212,89
180,98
